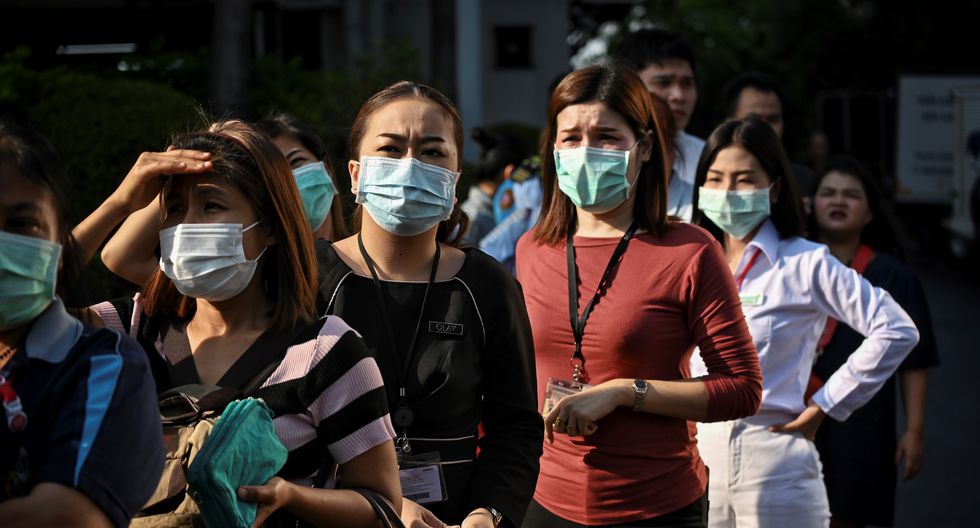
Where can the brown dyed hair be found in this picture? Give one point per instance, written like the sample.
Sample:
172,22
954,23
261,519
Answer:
450,231
616,84
249,160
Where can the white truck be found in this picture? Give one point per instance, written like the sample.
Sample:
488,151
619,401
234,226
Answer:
938,151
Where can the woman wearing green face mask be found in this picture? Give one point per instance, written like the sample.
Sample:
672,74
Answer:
80,442
765,470
619,294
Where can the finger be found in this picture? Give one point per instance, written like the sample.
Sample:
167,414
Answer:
263,513
590,428
157,166
186,153
255,493
899,454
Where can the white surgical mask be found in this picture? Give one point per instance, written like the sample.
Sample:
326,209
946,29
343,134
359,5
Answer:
207,261
406,196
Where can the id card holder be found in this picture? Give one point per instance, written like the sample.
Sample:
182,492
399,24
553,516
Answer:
422,479
558,389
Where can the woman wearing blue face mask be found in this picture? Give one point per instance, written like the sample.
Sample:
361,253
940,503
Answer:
765,470
447,326
619,294
234,301
131,253
80,438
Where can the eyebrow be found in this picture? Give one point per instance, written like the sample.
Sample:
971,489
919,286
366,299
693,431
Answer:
735,173
671,77
294,151
601,128
425,139
25,207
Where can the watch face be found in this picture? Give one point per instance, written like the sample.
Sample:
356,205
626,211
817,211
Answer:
640,385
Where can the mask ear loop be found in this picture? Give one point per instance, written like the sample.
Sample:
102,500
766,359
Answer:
257,222
633,184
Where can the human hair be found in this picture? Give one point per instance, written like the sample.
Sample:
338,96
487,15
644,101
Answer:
734,88
616,84
758,138
33,156
663,115
653,46
498,151
249,160
450,231
879,233
282,124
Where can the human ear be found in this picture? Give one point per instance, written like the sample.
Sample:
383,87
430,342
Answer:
646,146
774,192
354,169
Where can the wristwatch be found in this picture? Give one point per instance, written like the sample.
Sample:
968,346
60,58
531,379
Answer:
495,514
640,389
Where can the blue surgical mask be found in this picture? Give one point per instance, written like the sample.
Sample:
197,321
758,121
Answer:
405,196
28,273
596,180
317,191
735,212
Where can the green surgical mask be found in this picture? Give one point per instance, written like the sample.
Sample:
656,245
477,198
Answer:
28,273
735,212
595,180
317,191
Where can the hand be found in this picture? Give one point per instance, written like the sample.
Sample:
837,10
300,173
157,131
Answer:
270,497
576,415
415,516
146,178
478,518
807,423
910,449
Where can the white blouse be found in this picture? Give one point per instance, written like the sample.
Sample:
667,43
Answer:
787,295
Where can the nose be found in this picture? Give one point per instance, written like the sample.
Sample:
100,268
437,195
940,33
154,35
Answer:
675,93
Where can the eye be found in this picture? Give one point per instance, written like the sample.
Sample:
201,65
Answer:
24,224
570,139
433,152
175,208
213,206
388,148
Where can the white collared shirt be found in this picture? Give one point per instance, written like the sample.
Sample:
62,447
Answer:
688,153
787,296
680,195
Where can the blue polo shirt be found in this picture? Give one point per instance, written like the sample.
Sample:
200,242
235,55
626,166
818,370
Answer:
93,419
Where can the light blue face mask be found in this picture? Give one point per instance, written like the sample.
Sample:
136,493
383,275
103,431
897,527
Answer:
317,191
735,212
405,196
28,273
596,180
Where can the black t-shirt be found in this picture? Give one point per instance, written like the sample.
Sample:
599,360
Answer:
93,421
473,364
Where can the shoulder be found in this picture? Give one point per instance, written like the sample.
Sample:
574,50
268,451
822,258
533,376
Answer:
799,248
690,143
683,238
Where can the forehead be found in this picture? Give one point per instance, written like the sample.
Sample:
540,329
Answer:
209,182
19,189
411,116
841,180
750,99
674,68
287,143
735,158
590,115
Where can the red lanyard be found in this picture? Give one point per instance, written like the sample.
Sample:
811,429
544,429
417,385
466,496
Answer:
741,277
16,417
860,263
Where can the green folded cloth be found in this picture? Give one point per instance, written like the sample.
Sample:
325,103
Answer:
242,450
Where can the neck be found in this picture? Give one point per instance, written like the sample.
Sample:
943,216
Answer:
488,188
842,245
735,247
247,311
14,337
609,224
398,257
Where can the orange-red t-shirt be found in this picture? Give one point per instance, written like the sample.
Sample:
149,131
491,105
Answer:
667,295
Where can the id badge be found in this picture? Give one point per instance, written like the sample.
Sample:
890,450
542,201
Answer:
755,299
558,389
422,479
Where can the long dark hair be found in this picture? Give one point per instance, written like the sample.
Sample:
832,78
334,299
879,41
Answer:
450,231
757,137
616,84
879,233
249,160
281,124
32,155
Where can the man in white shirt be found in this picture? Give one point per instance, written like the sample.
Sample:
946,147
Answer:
665,62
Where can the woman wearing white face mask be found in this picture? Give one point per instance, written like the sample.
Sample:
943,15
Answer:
619,294
131,252
234,299
765,470
447,326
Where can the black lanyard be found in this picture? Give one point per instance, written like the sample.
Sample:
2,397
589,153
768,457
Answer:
578,323
403,415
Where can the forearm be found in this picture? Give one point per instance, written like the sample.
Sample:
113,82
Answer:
71,508
93,230
130,252
687,399
336,508
914,382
